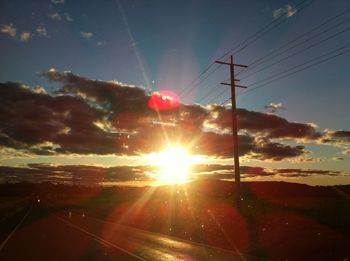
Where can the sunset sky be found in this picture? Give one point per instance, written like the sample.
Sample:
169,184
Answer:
77,78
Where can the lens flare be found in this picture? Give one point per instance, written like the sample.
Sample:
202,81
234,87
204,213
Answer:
164,100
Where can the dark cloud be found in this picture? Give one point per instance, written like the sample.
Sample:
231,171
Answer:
269,125
276,151
341,134
28,118
218,171
104,117
339,137
112,96
95,175
79,174
126,106
211,143
305,173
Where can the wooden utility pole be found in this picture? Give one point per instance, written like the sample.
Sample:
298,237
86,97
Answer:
234,114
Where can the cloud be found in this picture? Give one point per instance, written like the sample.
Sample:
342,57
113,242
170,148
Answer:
86,35
98,117
218,171
306,158
68,17
41,31
55,16
339,137
58,2
96,175
8,29
287,10
127,106
12,31
79,174
101,43
25,36
60,16
65,121
337,158
87,116
268,125
220,145
273,107
267,150
304,173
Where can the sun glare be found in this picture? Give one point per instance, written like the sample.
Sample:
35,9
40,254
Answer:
174,165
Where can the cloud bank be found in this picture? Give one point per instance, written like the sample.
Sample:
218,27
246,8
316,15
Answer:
87,116
96,175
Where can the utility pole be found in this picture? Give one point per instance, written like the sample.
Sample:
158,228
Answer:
234,114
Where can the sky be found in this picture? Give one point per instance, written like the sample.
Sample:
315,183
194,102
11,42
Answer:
77,78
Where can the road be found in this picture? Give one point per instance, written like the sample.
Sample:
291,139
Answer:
44,235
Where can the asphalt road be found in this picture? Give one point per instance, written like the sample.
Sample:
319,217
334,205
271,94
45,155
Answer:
39,234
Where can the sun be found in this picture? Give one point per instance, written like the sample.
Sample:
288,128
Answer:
173,165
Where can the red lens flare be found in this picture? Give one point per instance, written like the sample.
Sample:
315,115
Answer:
164,100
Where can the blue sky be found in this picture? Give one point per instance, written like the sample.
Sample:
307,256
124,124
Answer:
175,41
167,44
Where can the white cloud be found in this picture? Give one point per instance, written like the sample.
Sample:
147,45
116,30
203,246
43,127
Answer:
12,31
41,31
287,10
86,35
57,2
58,17
68,17
8,29
25,36
101,43
55,16
273,107
39,90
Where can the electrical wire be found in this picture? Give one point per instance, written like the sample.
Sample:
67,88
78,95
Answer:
298,52
305,41
300,70
254,37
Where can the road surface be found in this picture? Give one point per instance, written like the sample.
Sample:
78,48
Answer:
39,234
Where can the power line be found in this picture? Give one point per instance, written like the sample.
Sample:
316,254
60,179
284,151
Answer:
196,79
217,96
202,80
233,51
300,70
212,90
298,52
225,101
281,73
299,37
305,41
304,63
245,44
